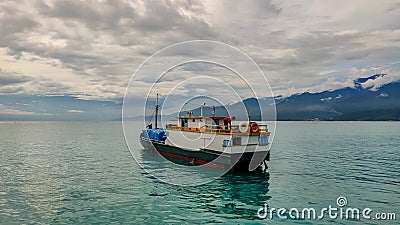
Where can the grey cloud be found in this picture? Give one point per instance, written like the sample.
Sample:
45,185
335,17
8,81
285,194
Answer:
95,14
264,7
317,50
394,7
13,20
10,89
10,78
122,17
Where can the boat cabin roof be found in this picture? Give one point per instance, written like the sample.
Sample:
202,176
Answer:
201,117
190,117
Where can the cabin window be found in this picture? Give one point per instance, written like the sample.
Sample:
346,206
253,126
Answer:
184,123
216,122
263,140
225,143
237,141
193,120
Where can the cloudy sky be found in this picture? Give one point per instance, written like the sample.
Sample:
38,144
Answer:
68,59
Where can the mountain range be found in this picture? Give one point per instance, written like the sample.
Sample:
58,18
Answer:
356,103
351,103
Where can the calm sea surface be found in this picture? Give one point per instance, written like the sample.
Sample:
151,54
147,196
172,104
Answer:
83,173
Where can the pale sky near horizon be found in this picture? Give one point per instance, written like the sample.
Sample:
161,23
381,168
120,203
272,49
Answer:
89,49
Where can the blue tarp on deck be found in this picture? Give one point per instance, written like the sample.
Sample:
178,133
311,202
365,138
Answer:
156,134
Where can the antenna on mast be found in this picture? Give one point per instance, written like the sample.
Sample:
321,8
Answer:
201,108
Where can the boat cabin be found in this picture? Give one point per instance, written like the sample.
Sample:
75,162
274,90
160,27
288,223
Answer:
217,122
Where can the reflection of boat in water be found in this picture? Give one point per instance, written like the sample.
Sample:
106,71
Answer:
243,192
234,195
209,140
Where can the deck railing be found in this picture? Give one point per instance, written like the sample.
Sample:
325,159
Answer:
234,129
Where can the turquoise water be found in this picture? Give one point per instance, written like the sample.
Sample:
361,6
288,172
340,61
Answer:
83,173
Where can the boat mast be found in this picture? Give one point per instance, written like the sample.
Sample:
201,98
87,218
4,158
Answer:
201,109
156,111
